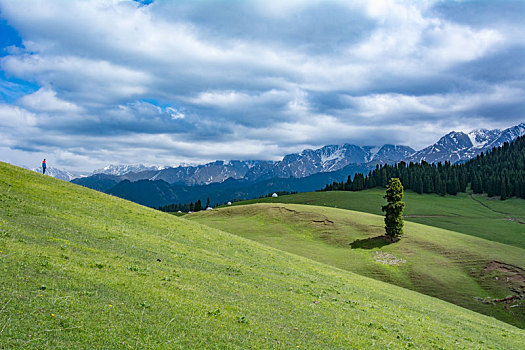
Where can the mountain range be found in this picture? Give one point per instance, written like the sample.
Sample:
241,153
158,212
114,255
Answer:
165,185
459,146
453,147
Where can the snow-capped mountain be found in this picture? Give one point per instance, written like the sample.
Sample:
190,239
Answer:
308,162
119,170
452,147
507,135
61,174
459,146
327,159
390,154
217,171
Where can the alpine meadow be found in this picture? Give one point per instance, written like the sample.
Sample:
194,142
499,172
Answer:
81,269
262,174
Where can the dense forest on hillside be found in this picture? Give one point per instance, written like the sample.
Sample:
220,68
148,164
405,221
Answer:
498,172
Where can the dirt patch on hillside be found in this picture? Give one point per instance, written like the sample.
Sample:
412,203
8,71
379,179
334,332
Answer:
514,278
514,275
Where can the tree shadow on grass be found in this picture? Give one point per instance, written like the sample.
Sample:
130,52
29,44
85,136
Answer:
371,243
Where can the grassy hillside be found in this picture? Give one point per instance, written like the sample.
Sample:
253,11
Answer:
445,264
476,215
81,269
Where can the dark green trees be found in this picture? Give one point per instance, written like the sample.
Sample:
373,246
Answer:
198,205
394,209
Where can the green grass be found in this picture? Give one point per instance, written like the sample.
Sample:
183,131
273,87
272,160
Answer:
80,269
463,213
441,263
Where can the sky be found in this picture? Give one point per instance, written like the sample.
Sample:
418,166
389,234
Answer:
85,84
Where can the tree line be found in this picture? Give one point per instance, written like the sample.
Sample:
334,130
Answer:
197,206
176,207
498,172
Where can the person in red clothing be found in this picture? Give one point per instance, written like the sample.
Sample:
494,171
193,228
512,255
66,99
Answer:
44,166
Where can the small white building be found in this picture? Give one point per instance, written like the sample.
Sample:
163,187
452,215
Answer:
275,195
229,203
209,208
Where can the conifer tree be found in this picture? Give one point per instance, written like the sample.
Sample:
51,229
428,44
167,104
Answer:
198,205
394,209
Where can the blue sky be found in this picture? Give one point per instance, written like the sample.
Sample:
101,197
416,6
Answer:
89,83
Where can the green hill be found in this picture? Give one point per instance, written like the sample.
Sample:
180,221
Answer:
81,269
472,214
458,268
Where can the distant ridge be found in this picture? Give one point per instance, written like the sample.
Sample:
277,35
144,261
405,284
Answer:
453,147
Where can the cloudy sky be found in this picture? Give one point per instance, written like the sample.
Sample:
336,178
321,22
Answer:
89,83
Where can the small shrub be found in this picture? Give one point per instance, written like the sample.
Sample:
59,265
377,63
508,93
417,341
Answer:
214,313
145,305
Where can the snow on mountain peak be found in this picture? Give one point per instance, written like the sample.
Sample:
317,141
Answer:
371,152
118,170
482,137
336,156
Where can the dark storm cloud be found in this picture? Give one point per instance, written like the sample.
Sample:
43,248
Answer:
104,81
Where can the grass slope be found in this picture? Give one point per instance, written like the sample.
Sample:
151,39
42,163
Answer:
444,264
475,215
81,269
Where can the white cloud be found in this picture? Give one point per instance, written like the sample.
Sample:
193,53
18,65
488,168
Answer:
390,105
270,76
86,80
175,114
16,125
46,100
15,117
235,100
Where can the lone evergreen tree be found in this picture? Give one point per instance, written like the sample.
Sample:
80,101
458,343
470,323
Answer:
394,209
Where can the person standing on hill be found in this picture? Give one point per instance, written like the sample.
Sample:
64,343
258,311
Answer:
44,166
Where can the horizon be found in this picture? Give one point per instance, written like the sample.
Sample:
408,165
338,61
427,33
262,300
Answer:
161,82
